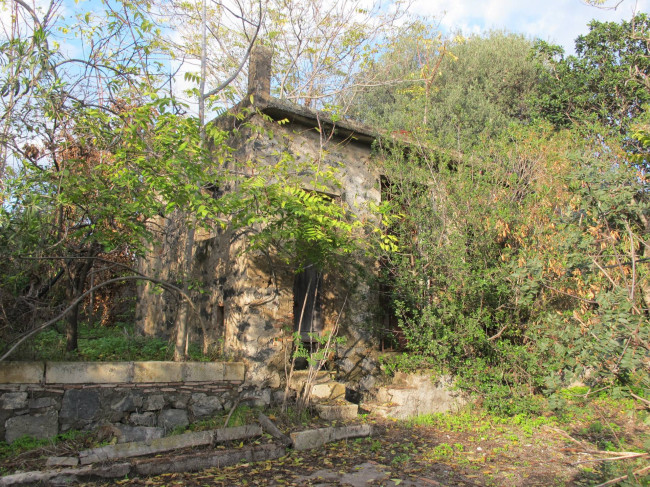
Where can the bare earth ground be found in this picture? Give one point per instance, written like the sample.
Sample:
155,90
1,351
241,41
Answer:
469,448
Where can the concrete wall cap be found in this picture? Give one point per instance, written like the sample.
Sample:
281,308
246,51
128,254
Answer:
22,372
120,372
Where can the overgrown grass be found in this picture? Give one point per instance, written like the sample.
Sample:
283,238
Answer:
596,419
479,421
244,414
27,443
581,420
102,343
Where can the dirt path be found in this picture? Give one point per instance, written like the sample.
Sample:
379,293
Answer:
451,451
470,448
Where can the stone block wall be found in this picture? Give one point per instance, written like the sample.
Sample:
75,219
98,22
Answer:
134,400
247,297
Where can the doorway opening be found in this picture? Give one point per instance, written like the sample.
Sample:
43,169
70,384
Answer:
307,310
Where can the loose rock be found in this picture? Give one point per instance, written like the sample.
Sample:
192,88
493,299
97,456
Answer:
170,419
39,426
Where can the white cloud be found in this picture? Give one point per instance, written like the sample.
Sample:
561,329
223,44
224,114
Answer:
558,21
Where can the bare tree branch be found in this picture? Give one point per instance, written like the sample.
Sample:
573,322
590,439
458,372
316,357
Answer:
80,298
243,61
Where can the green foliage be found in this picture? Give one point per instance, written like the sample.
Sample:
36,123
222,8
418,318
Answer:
593,252
481,88
324,345
93,158
521,258
27,443
538,282
603,83
405,362
105,343
473,420
453,281
461,91
115,190
445,451
242,415
600,237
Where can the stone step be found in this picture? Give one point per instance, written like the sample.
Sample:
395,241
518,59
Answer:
329,391
299,379
377,409
338,412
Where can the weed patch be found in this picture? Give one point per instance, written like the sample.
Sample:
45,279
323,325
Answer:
105,343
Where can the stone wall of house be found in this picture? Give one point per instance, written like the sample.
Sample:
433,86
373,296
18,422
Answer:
246,303
132,400
155,307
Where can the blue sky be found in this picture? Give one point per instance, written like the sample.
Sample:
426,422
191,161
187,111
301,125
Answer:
557,21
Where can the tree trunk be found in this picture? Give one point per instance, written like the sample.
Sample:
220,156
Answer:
71,329
180,347
644,283
78,275
181,331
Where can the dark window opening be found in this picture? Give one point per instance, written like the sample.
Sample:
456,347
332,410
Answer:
390,334
221,318
307,314
385,187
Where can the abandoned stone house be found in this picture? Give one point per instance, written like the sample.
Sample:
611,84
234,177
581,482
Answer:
250,302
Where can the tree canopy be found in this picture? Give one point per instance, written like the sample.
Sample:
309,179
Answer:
522,203
603,83
457,90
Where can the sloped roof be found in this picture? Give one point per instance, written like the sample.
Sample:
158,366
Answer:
281,109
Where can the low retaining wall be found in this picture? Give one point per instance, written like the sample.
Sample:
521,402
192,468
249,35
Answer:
131,400
416,394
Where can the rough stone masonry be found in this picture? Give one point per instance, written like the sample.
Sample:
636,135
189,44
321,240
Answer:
132,401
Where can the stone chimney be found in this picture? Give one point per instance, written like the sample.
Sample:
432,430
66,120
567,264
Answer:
259,72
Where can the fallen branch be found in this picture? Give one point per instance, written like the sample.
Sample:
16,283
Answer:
273,430
590,392
431,482
624,477
601,452
232,410
644,401
611,459
589,301
566,435
498,334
